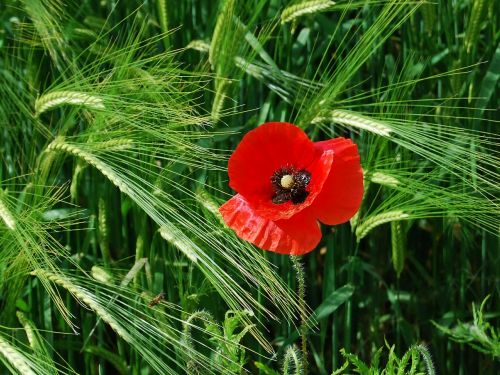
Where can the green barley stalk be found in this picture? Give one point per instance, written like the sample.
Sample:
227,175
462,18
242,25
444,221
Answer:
105,277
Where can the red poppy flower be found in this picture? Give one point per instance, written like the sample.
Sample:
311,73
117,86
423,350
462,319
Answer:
286,183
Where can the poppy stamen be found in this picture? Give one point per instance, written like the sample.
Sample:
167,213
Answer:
290,185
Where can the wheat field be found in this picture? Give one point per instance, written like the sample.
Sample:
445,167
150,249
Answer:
117,121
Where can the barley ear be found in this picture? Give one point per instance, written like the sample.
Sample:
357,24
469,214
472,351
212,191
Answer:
355,120
474,24
14,358
178,239
398,247
56,99
368,224
5,213
292,12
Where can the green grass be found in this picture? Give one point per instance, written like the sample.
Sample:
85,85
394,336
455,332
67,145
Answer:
116,123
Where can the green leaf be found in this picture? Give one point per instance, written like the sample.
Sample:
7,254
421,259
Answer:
116,361
489,83
333,301
265,369
329,305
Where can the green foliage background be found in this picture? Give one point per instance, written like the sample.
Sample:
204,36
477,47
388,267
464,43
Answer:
116,122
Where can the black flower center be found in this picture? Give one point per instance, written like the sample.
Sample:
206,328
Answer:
290,185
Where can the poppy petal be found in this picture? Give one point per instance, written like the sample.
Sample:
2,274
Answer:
342,192
295,236
263,151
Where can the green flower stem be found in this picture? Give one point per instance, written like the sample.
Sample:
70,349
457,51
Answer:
299,269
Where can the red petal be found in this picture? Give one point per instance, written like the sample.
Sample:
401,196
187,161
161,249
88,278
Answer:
294,236
264,150
342,192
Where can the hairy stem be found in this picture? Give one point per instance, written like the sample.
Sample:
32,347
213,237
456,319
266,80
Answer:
299,270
